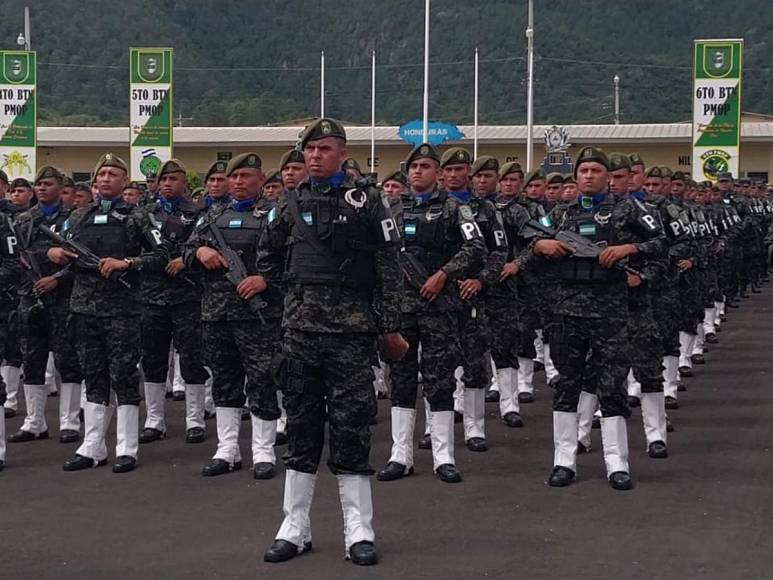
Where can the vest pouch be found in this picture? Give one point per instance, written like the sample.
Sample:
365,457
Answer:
339,236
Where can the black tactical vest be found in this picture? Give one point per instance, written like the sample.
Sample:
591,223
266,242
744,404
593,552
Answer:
596,226
424,227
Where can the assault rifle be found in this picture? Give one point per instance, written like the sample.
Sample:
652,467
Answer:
29,261
416,275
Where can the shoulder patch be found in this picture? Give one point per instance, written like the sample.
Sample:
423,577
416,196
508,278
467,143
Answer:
466,212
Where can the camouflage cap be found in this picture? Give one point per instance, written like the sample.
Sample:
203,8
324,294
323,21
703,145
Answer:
636,159
351,163
510,167
199,191
554,178
569,178
133,185
111,160
151,176
292,156
219,166
655,172
456,156
591,154
20,182
47,171
83,186
248,160
398,176
67,181
679,176
273,176
725,176
321,128
171,166
534,174
3,177
619,161
423,151
666,171
484,163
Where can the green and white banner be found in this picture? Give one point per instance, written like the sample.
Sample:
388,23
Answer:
150,119
716,128
18,113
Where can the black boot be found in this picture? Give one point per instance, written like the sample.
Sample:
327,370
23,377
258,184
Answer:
22,436
476,444
363,553
220,467
68,436
492,396
282,550
621,481
448,473
426,442
149,435
512,419
124,464
393,471
560,476
657,450
79,462
634,402
195,435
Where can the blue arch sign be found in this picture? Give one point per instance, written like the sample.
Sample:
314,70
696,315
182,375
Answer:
438,132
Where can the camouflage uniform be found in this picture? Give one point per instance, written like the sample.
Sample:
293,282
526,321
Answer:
11,358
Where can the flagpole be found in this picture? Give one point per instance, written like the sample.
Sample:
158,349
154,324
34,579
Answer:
425,124
322,84
475,111
373,113
530,90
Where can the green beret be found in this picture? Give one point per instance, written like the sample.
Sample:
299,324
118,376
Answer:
636,159
4,177
666,171
133,185
67,181
199,191
679,176
456,156
171,166
273,176
398,176
20,182
423,151
249,160
725,176
292,156
554,177
111,160
151,176
569,178
538,174
510,167
216,167
654,172
48,172
485,163
83,186
351,163
588,154
322,128
619,161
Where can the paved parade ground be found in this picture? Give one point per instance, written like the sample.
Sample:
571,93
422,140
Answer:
706,512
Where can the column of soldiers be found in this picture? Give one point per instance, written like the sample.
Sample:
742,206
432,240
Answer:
285,289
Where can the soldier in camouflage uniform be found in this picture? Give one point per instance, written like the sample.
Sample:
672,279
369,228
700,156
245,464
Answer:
106,312
43,316
344,288
440,235
241,330
10,369
590,336
171,312
216,184
293,168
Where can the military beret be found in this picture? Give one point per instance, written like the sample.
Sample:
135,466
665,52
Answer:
588,154
248,160
636,159
484,163
667,171
510,167
398,176
321,128
423,151
67,181
706,183
111,160
4,177
133,185
273,176
569,178
351,163
199,191
744,182
538,174
83,186
725,176
456,156
216,167
679,176
46,172
292,156
151,176
655,172
554,177
20,182
171,166
619,161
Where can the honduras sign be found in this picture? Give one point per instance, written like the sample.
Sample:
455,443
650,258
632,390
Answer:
437,132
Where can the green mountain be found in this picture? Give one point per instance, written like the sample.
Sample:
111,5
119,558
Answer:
257,61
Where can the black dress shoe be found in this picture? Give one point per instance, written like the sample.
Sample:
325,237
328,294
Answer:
53,394
731,304
124,464
373,420
381,396
476,444
79,462
245,414
425,442
560,476
2,464
9,413
512,419
538,366
698,359
168,394
80,415
220,467
711,338
281,439
209,415
596,423
554,381
263,470
671,403
681,387
634,401
282,550
685,371
657,450
756,290
582,448
363,553
669,425
492,397
448,473
149,435
621,481
458,417
723,317
178,396
22,436
68,436
393,471
195,435
525,397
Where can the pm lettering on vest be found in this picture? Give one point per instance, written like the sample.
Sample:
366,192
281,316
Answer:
499,238
650,222
470,231
10,243
389,229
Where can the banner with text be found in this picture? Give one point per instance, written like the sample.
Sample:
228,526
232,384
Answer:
18,113
150,78
716,127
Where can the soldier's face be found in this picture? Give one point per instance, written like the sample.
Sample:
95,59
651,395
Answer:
592,177
48,190
725,185
68,195
393,189
131,195
569,192
700,197
511,184
82,199
324,157
715,196
273,190
619,181
217,185
422,175
455,176
667,184
21,196
110,182
637,178
152,185
485,182
536,189
245,183
677,188
653,185
553,192
3,189
293,174
173,184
